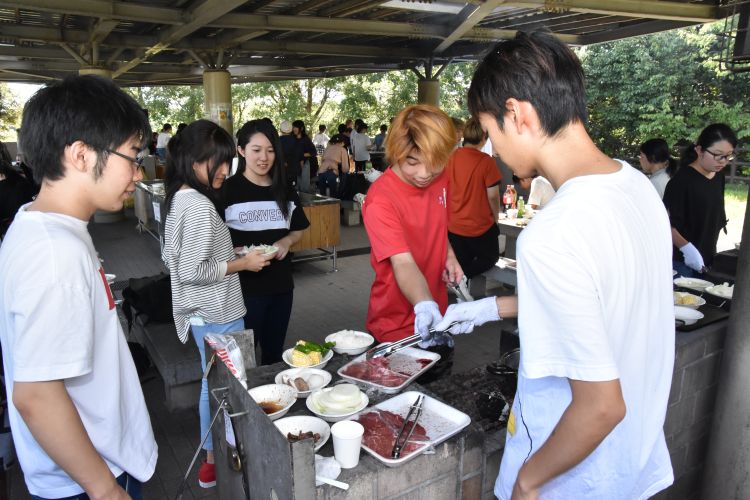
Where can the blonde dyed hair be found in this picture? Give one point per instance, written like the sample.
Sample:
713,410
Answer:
424,128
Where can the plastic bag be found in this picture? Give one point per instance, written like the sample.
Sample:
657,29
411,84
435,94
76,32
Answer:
229,352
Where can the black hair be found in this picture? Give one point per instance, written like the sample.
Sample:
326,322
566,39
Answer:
336,139
201,141
89,109
342,128
362,126
383,128
5,154
321,128
278,178
301,126
181,127
657,151
710,135
166,126
536,68
358,122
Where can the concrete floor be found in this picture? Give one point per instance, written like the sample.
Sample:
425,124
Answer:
324,302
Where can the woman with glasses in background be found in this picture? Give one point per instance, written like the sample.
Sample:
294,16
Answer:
694,198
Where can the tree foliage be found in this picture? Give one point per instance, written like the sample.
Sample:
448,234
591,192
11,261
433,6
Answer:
666,85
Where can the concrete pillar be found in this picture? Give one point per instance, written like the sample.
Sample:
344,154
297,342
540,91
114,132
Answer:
428,91
727,470
95,70
217,89
101,216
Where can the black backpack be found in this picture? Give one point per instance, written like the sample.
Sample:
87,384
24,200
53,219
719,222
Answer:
150,296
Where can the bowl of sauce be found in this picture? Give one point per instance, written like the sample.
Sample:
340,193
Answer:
274,399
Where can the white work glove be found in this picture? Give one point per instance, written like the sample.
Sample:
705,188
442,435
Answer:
693,258
426,314
468,315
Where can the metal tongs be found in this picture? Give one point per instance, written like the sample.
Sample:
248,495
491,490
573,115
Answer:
414,412
388,348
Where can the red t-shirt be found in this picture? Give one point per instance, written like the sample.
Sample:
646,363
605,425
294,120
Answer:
470,172
402,218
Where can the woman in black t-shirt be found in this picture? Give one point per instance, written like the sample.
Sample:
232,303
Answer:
260,209
694,198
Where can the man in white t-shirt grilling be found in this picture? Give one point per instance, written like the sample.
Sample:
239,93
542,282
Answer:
594,303
77,413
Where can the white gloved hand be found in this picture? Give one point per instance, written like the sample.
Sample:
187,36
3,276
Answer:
693,258
426,314
468,315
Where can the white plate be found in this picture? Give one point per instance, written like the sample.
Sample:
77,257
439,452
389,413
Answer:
287,357
334,417
402,357
719,292
699,302
272,250
366,341
439,420
285,395
687,315
692,283
305,423
305,373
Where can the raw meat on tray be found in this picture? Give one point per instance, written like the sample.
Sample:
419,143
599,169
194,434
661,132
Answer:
381,430
379,371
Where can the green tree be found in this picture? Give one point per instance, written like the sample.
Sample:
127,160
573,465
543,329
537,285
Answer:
10,113
665,85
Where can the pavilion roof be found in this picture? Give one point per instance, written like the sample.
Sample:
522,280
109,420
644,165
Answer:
171,42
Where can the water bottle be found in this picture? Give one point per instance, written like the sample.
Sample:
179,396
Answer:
521,207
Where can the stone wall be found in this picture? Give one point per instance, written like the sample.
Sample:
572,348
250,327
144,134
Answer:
463,468
691,406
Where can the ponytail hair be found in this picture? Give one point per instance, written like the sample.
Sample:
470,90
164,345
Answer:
657,151
201,141
710,135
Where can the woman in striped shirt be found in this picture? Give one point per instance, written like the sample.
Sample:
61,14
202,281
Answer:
206,294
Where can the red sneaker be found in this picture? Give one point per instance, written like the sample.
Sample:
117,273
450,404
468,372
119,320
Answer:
207,475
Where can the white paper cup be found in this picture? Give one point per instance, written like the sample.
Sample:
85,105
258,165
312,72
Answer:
512,213
347,441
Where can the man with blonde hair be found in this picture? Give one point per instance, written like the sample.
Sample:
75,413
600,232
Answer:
406,218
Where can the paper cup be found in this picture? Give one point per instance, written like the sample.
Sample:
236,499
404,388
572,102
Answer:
347,441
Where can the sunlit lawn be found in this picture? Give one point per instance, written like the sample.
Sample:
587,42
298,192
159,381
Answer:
735,200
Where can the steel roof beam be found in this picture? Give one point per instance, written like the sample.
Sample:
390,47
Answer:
630,31
328,25
103,8
650,9
470,16
198,16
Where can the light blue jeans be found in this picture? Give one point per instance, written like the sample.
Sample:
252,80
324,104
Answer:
198,333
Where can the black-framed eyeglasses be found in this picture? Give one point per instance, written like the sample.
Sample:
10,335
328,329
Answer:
721,156
138,161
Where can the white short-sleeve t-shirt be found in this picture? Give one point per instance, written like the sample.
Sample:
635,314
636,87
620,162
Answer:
595,304
58,322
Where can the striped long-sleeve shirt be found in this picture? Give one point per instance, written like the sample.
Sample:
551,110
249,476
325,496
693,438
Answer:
197,247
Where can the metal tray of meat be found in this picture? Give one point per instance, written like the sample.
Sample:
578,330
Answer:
391,374
439,420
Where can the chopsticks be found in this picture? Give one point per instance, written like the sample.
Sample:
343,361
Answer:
386,350
415,411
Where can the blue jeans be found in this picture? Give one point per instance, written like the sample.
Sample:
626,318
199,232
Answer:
204,410
268,316
327,179
128,483
161,153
